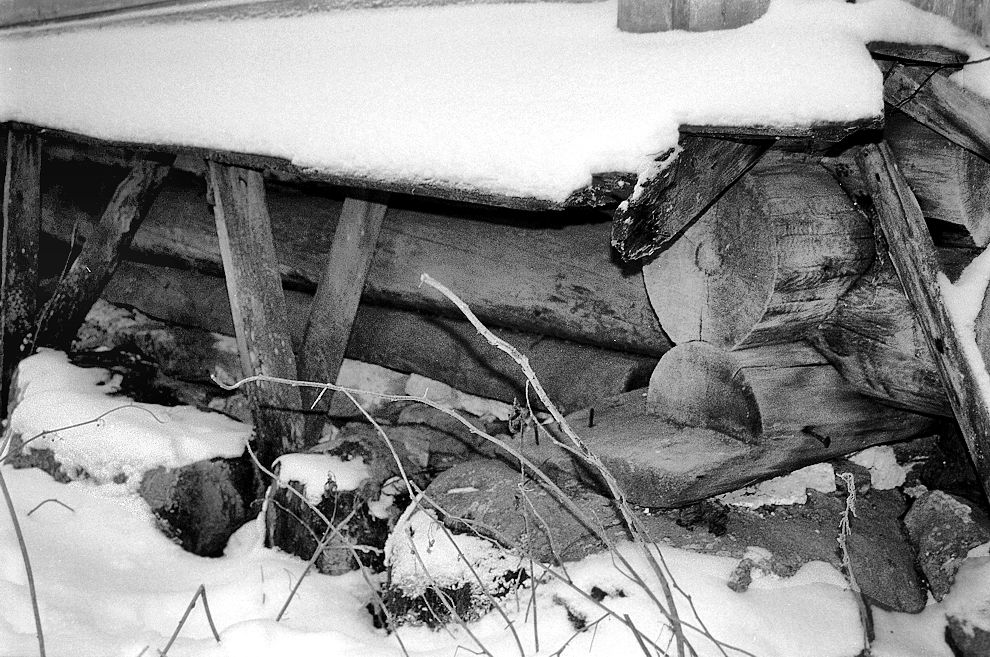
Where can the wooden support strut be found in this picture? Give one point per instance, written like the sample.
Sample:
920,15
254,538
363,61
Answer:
913,254
257,305
83,283
21,235
337,295
683,189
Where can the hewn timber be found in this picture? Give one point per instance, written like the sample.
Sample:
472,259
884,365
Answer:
331,315
21,234
83,282
531,272
688,181
766,264
925,93
257,306
913,253
951,183
761,393
448,350
663,463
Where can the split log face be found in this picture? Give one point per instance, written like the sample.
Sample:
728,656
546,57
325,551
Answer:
764,393
874,340
767,263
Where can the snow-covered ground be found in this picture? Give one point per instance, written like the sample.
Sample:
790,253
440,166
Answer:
110,584
519,99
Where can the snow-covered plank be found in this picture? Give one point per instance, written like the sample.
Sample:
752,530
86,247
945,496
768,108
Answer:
913,253
21,236
257,305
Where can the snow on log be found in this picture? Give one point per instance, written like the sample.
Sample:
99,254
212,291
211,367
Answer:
762,393
557,279
83,282
766,264
913,253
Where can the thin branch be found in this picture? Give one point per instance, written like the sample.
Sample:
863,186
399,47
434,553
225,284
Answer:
200,593
50,500
27,563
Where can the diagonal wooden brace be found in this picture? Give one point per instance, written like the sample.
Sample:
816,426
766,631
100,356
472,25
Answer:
913,254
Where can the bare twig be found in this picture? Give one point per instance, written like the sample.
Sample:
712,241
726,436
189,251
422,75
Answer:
50,500
200,593
27,563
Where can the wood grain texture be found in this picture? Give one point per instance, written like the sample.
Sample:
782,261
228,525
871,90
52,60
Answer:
913,253
673,199
754,395
766,264
335,303
448,350
257,306
660,463
556,279
21,235
925,94
83,282
692,15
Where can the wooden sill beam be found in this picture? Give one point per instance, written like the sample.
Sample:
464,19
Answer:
258,306
913,254
21,235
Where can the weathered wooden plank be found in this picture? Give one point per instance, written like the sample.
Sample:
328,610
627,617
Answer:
681,191
913,253
539,273
765,264
336,301
925,94
693,15
257,306
83,283
21,234
448,350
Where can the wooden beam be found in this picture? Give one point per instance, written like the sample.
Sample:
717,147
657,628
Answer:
337,295
682,189
257,306
925,93
21,234
83,283
913,253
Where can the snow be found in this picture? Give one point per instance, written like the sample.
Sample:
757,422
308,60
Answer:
963,300
789,489
315,471
111,584
516,99
130,439
885,471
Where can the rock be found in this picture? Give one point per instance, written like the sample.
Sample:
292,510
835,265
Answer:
943,528
360,509
966,639
201,505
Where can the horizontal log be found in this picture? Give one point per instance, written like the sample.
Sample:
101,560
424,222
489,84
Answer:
766,263
762,393
806,412
553,279
447,350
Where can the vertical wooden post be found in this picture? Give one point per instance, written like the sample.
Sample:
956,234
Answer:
646,15
257,305
337,294
693,15
83,283
21,234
